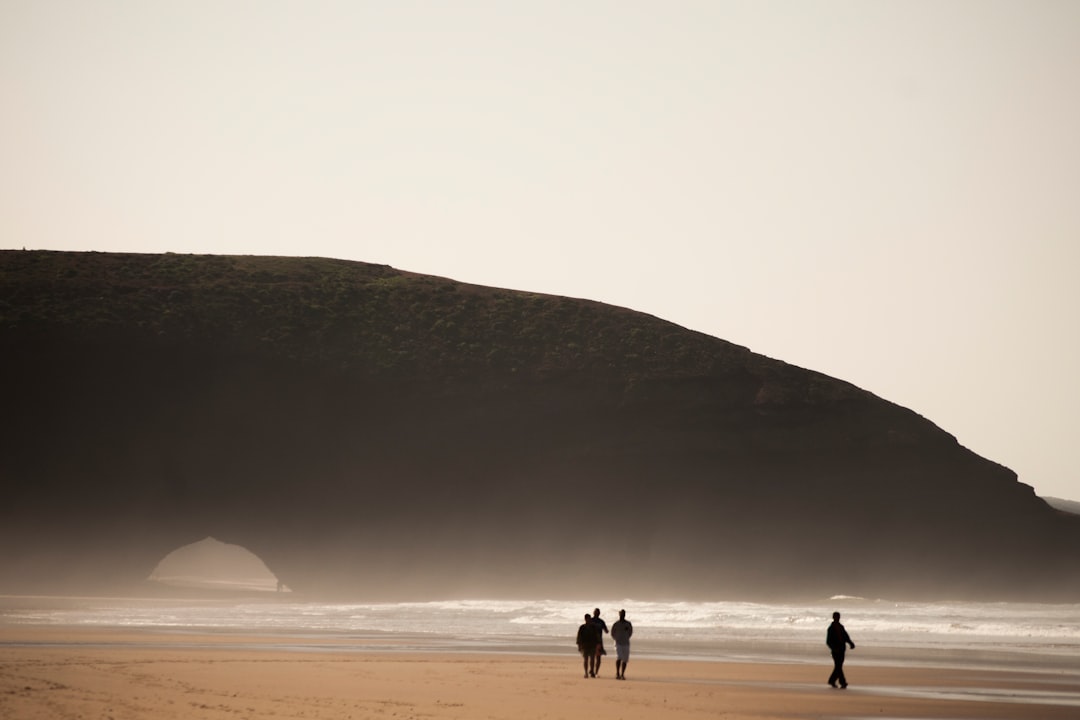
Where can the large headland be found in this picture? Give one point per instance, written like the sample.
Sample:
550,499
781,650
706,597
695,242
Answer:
375,433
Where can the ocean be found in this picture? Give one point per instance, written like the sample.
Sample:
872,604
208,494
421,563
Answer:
1036,636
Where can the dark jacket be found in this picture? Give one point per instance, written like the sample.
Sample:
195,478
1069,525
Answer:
588,635
837,638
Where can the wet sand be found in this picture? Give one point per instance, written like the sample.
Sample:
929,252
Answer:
49,672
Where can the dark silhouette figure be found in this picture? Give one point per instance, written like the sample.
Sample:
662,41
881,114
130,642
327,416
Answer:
601,628
837,639
621,630
588,638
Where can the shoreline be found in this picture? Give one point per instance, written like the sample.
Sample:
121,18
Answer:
62,671
955,656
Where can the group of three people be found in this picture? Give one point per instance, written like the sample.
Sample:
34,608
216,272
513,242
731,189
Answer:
590,642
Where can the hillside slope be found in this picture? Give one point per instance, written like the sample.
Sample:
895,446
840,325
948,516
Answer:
377,433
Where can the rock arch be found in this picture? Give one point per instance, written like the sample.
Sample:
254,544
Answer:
210,564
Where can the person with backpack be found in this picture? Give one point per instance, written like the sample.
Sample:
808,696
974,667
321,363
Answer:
588,641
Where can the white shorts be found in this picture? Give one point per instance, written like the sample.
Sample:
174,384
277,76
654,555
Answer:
622,652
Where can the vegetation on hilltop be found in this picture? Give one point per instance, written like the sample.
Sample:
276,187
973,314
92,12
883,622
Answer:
354,316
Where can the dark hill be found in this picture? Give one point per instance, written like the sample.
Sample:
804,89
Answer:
384,434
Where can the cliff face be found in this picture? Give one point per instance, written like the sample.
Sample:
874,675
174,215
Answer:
382,434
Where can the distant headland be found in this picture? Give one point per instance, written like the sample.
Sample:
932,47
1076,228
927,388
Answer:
374,433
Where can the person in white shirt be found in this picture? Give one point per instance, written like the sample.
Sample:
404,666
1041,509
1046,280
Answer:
621,632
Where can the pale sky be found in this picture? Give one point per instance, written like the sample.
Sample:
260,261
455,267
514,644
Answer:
885,192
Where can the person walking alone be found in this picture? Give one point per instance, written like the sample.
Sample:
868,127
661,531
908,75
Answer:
837,639
621,631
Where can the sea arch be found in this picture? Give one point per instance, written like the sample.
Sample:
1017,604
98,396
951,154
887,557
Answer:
210,564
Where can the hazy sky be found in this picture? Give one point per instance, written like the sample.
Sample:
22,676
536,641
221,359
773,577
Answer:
886,192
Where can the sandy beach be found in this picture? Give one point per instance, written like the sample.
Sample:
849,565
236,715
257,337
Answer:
48,673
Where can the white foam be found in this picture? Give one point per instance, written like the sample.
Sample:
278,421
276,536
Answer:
869,621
